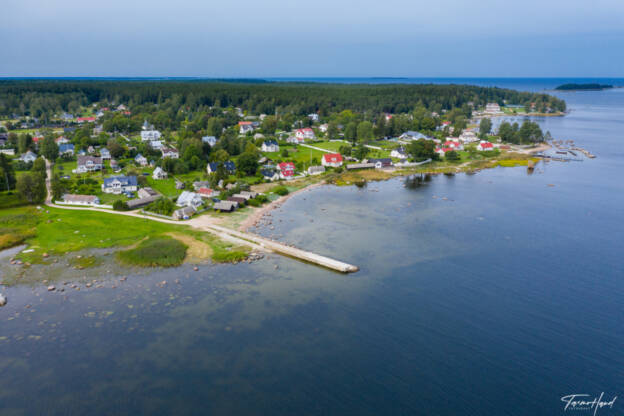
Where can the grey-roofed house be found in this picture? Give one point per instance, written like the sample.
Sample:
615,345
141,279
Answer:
225,206
88,164
188,198
73,199
270,174
270,146
316,170
120,184
105,154
355,166
230,167
147,192
28,157
211,140
159,174
184,213
412,135
381,163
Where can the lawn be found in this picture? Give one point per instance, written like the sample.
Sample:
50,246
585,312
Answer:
296,154
164,186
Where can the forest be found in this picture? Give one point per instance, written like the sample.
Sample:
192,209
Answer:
44,99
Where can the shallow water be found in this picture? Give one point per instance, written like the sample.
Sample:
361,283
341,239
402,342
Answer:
492,293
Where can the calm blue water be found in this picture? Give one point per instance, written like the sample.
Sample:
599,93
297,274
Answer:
486,294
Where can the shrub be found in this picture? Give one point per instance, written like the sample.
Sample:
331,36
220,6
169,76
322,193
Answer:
155,252
120,205
280,190
452,155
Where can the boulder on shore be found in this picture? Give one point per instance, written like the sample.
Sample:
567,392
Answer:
3,300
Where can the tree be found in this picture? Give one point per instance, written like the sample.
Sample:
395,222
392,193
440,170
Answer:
365,131
219,156
24,142
360,151
248,163
269,125
7,174
49,149
485,127
39,167
284,152
350,132
422,149
120,205
31,187
332,130
452,155
116,150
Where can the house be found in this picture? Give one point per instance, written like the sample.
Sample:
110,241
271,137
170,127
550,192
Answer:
159,173
314,117
73,199
333,160
147,192
201,184
90,149
323,128
149,135
66,149
412,135
270,175
355,166
468,136
88,164
98,129
142,201
211,140
205,192
105,154
225,206
61,140
381,163
140,160
305,134
250,194
270,146
295,140
399,153
287,170
85,120
483,145
170,153
120,184
189,199
156,144
492,108
114,165
8,152
245,127
179,184
316,170
37,139
442,150
229,167
454,144
184,213
238,199
258,136
67,116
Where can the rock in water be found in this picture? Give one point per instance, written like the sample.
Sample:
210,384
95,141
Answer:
51,288
3,300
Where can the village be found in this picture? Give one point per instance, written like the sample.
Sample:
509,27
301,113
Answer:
112,170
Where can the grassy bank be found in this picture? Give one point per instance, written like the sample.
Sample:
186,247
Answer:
154,252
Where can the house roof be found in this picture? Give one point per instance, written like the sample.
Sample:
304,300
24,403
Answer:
80,198
83,160
267,173
125,180
65,147
384,161
229,166
486,145
270,143
332,157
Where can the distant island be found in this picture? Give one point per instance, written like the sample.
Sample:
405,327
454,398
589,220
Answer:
583,87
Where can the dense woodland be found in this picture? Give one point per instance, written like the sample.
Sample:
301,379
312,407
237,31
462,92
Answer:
45,98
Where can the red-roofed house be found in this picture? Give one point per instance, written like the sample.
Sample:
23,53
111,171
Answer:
483,145
287,170
38,139
85,119
455,144
332,159
245,126
442,150
61,140
305,134
205,192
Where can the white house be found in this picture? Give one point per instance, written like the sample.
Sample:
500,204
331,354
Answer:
120,184
245,127
454,144
333,160
305,134
211,140
156,144
149,135
412,135
73,199
314,117
270,146
316,170
170,152
105,154
88,164
159,174
140,160
492,108
189,199
270,174
399,153
323,128
468,136
295,140
28,157
483,145
66,149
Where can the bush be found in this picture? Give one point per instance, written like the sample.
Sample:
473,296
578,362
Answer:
280,190
120,205
155,252
452,155
162,205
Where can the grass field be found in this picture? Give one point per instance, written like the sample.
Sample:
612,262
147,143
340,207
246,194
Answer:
162,251
296,154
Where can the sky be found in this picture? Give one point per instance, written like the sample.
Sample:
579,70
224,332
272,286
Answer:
321,38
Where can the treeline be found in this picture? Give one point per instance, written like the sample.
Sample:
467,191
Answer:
45,98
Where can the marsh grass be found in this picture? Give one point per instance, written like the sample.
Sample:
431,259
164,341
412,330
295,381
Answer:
155,252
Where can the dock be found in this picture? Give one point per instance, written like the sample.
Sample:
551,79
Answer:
284,249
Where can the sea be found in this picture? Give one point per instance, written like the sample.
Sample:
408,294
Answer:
495,293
